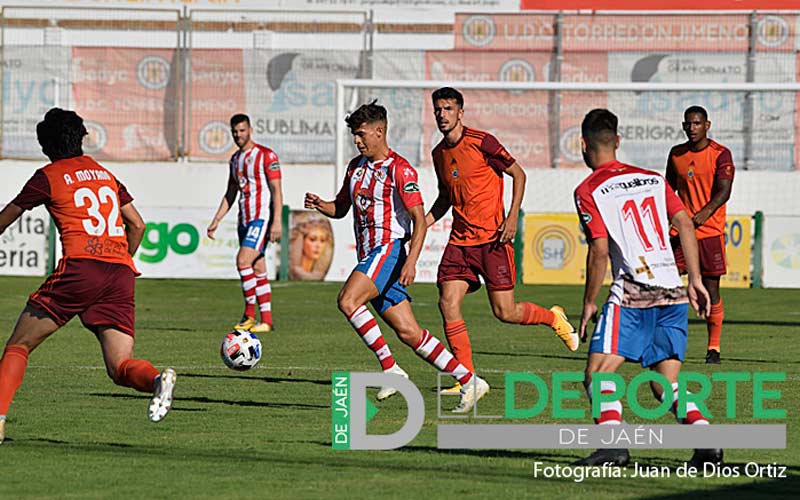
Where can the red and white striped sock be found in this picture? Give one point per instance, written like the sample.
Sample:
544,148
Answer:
693,415
367,328
610,411
264,297
249,291
432,351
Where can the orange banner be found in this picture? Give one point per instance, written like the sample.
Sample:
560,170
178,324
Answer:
128,99
217,83
593,33
520,120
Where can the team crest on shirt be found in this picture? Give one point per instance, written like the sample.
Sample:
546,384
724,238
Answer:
690,173
242,181
363,200
381,174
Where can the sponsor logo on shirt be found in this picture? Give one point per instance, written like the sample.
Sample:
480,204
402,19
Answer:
274,166
411,187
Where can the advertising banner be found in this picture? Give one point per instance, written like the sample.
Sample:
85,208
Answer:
175,245
23,246
291,99
629,32
781,252
554,251
30,78
520,120
650,122
128,98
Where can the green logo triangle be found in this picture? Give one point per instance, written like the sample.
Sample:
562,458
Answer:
372,410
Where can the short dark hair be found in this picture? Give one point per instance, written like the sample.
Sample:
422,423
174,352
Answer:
366,113
61,134
700,110
599,129
448,93
239,118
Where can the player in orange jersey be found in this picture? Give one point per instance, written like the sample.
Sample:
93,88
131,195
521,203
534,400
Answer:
701,171
469,166
100,231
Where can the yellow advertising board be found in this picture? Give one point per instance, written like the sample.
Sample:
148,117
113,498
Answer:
554,250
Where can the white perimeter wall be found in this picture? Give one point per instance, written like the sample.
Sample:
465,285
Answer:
200,185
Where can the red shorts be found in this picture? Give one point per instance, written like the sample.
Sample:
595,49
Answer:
712,255
100,293
493,261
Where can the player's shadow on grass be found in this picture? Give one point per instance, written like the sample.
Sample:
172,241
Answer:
261,379
576,357
205,400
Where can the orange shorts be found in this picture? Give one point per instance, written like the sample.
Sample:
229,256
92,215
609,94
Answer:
493,261
712,256
100,293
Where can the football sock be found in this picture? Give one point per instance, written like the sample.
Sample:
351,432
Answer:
714,325
536,315
137,374
610,411
457,338
432,351
693,415
367,328
264,297
249,291
12,371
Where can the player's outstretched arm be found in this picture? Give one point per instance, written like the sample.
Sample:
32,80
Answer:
335,209
596,263
134,227
508,229
8,215
276,194
409,271
227,202
698,295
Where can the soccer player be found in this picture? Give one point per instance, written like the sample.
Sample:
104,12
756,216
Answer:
470,165
100,230
701,171
625,212
382,188
255,174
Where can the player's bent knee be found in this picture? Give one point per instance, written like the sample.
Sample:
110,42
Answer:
504,314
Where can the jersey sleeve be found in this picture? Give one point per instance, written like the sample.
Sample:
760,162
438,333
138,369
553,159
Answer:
406,183
35,192
670,174
272,165
674,204
496,155
724,168
343,196
124,196
591,221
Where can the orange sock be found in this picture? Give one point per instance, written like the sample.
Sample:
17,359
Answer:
137,374
12,371
457,338
714,325
536,315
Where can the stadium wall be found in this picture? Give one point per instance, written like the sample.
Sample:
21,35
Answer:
193,185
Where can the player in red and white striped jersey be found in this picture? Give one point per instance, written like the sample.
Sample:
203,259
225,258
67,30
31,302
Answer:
255,175
382,188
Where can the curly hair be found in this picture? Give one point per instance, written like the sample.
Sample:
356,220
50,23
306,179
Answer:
61,134
305,224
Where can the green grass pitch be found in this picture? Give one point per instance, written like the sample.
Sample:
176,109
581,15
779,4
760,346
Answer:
266,433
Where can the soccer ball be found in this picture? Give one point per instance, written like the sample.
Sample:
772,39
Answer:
240,350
